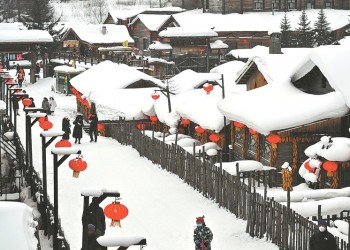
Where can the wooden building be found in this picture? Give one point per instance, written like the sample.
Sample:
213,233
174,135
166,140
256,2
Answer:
296,130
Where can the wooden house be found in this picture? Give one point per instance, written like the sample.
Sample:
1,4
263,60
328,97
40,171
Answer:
145,28
86,39
298,105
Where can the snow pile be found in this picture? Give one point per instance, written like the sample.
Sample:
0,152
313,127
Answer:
123,241
202,148
9,135
68,69
156,45
244,166
16,220
218,44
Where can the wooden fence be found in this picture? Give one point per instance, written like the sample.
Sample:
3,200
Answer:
265,217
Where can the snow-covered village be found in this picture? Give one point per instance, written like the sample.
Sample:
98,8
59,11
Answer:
174,124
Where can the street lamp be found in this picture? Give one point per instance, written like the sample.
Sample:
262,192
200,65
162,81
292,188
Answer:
44,145
65,152
87,193
166,93
16,97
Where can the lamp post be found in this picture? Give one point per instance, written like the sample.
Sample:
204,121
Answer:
16,97
66,152
101,194
44,146
166,93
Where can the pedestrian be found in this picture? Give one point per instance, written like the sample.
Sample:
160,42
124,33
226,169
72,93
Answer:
322,240
7,63
202,235
20,78
96,216
15,104
93,127
66,128
33,103
78,128
53,105
92,234
45,105
17,68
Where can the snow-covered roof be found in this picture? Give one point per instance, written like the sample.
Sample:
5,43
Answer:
248,53
189,79
68,69
338,150
92,33
263,21
124,14
151,21
188,32
25,36
280,105
18,226
230,71
156,45
12,26
109,76
218,44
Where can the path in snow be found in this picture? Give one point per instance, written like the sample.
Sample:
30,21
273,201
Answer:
161,207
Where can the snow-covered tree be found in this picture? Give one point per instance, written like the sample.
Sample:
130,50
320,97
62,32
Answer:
7,10
285,29
304,38
322,31
99,10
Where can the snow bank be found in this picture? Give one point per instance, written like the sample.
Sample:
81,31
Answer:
123,241
244,166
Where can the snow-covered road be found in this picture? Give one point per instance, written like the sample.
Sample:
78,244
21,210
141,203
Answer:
161,207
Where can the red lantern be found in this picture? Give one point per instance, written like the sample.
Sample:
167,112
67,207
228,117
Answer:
140,126
116,212
308,167
100,127
238,124
274,139
330,166
214,137
155,96
77,165
253,132
208,88
41,119
153,118
199,130
46,125
185,122
26,102
158,39
63,144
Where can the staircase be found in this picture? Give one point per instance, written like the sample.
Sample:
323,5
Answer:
8,146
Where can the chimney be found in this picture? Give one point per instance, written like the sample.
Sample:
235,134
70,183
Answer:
104,30
275,43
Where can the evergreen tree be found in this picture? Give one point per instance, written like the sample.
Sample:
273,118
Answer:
322,31
7,10
285,30
304,38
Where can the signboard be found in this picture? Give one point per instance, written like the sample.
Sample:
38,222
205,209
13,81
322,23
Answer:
19,57
70,43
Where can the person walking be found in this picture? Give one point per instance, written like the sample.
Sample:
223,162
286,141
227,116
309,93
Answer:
20,78
322,240
15,104
66,128
45,105
202,235
93,127
78,128
53,105
7,63
92,234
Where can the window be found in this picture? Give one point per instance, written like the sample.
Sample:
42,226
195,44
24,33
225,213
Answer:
145,43
258,4
251,144
276,4
265,149
238,136
292,4
328,5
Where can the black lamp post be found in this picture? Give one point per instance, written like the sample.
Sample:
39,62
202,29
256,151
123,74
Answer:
44,146
65,152
17,97
12,91
167,93
87,194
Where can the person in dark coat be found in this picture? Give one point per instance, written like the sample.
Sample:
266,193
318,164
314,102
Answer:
33,104
322,240
92,234
15,104
78,128
202,235
7,63
45,105
93,126
96,216
66,128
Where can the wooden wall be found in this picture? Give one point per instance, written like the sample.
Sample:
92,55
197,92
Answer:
255,81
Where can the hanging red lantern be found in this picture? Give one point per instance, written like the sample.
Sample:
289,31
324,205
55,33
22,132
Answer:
330,166
199,130
41,119
46,125
185,122
100,127
214,137
63,144
26,102
153,118
77,165
140,126
274,139
116,212
253,132
208,88
308,167
155,96
238,124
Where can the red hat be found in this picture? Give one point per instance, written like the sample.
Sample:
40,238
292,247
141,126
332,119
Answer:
200,219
